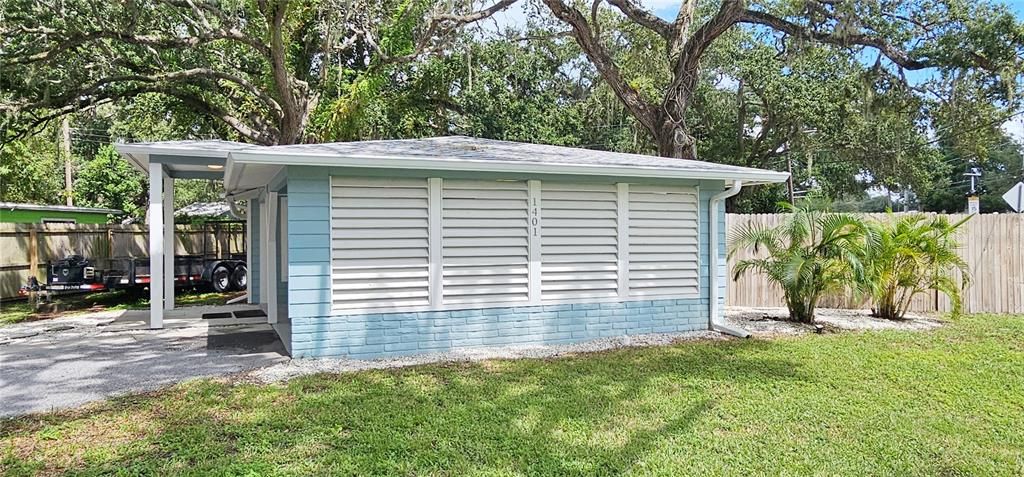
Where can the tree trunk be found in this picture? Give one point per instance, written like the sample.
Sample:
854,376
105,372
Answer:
674,141
801,311
672,133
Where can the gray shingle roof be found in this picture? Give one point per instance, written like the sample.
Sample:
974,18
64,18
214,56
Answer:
476,149
453,153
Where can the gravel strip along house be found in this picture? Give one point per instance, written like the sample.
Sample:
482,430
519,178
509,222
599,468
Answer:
385,248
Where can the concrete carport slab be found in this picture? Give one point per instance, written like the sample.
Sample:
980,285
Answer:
66,363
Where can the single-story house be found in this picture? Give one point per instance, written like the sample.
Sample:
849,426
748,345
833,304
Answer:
381,248
16,213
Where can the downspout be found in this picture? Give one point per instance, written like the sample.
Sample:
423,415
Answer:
714,322
233,198
233,208
240,214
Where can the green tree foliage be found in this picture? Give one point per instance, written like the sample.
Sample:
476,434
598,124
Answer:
819,87
811,253
973,48
909,255
31,171
1001,168
109,181
258,67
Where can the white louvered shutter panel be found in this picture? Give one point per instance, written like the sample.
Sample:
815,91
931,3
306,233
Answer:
579,240
663,259
379,232
485,242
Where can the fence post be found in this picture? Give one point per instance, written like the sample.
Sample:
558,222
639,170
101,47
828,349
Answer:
110,241
33,251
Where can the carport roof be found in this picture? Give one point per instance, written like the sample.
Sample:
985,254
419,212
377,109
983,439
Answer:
189,159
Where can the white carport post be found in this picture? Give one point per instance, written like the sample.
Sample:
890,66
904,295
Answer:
248,247
264,252
156,244
169,248
270,265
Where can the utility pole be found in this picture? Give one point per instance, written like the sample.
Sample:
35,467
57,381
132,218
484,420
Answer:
973,203
65,129
789,183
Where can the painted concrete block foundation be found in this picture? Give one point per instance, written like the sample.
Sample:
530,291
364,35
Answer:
397,334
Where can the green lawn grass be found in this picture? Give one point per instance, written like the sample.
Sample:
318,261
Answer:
944,402
18,311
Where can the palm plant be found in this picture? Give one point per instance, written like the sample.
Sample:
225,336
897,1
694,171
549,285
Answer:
812,253
909,255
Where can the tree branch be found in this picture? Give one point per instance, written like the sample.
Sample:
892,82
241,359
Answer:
154,41
641,16
602,60
895,54
440,25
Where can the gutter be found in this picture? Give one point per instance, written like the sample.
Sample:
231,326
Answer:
714,322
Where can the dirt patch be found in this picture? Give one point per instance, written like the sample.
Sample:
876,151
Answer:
775,321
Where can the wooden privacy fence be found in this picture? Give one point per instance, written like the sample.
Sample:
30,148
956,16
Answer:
992,245
25,248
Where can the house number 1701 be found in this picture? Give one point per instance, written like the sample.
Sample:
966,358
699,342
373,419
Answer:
535,218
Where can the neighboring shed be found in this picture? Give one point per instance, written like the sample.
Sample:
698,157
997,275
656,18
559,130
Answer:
48,214
204,211
381,248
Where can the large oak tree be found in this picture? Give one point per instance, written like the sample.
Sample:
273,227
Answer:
949,36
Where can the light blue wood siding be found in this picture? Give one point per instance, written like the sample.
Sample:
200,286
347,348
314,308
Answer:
309,242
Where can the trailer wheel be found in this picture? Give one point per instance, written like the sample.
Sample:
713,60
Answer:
239,279
220,279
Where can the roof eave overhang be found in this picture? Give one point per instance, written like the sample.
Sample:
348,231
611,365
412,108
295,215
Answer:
138,154
237,160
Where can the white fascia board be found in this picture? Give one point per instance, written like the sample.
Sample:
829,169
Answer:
515,167
150,149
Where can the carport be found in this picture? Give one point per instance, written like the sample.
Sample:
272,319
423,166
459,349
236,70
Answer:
164,162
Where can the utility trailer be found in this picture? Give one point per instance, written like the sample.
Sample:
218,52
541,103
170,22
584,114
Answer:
214,269
76,273
190,271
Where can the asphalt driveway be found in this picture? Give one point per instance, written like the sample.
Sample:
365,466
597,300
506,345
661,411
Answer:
68,362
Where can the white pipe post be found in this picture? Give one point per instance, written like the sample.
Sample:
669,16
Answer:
714,322
156,245
169,248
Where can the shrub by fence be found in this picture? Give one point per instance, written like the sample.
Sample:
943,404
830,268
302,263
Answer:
26,248
991,244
